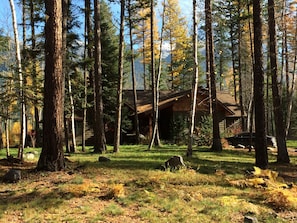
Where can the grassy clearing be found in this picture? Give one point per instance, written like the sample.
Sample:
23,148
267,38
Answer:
130,188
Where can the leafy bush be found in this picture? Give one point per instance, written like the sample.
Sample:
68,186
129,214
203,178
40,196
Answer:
178,128
203,132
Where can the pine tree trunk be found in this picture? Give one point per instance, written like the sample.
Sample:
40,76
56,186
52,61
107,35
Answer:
7,137
66,134
143,59
243,126
195,83
100,142
283,26
117,136
216,141
65,8
250,118
260,143
89,70
34,74
72,116
282,155
154,138
84,121
86,44
24,15
65,68
233,62
286,62
159,72
52,155
292,88
136,120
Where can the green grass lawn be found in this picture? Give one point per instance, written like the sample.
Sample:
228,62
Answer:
131,188
292,143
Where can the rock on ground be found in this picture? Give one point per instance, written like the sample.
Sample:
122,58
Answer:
12,176
175,162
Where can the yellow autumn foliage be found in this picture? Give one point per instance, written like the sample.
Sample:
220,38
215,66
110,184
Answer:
79,189
14,133
269,174
16,128
115,191
235,202
282,198
276,193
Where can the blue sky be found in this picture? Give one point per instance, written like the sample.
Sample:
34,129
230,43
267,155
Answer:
5,16
6,23
186,7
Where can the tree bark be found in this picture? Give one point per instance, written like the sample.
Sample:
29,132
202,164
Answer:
136,120
282,155
143,57
117,133
21,81
195,83
100,142
250,118
72,118
86,46
260,143
24,14
155,136
216,141
34,75
65,8
6,126
233,55
65,69
243,126
52,154
293,86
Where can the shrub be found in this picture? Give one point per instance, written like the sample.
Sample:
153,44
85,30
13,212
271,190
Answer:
203,132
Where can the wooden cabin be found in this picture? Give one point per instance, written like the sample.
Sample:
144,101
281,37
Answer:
174,110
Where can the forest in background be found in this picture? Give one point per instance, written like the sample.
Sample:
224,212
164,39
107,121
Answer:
232,57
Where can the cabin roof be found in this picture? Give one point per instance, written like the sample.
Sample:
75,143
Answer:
144,98
228,101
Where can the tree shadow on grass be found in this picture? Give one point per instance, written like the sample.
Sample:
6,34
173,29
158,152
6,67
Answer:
205,166
35,199
231,162
121,164
203,161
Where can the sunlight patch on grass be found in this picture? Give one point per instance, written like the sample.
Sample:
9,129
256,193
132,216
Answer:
112,209
234,203
77,180
97,218
77,187
146,213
